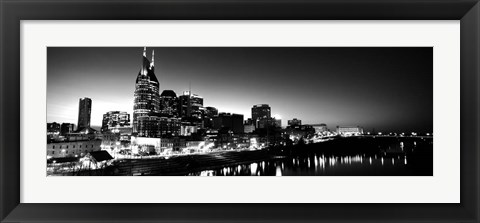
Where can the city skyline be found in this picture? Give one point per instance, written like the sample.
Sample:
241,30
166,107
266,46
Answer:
383,88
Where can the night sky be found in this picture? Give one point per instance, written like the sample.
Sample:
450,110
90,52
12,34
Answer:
386,88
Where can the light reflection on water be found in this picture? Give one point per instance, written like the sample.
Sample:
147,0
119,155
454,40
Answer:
307,166
388,161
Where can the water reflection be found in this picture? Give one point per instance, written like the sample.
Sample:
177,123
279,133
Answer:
311,165
391,161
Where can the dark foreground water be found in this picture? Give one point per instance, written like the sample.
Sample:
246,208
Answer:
363,157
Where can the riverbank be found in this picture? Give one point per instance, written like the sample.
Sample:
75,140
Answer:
185,164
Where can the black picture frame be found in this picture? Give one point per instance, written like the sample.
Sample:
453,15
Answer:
13,11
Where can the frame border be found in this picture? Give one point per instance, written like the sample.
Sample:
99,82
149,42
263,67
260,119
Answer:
13,11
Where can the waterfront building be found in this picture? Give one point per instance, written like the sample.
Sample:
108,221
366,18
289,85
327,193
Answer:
233,122
169,103
158,145
320,128
294,122
84,113
146,95
297,132
349,130
67,128
72,148
114,119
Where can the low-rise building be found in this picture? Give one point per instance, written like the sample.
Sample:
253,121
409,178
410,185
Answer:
349,130
78,148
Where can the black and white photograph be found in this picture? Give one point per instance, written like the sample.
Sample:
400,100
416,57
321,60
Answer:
239,111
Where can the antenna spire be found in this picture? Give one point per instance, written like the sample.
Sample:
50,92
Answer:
145,51
152,64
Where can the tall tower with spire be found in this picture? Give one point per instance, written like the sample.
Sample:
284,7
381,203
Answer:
146,95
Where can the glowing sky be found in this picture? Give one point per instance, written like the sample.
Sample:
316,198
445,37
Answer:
389,89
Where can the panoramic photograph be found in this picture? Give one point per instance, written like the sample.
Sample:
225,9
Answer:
239,111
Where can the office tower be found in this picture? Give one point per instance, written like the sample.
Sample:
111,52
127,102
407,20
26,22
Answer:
169,103
230,121
84,113
146,96
190,105
261,111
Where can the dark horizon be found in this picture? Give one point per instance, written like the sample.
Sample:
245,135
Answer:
385,88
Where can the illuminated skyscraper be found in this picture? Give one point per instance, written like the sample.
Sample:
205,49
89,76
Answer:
169,103
84,113
190,105
146,96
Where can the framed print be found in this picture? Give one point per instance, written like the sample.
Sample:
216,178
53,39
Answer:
239,111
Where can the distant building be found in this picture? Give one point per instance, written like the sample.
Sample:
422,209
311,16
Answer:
248,128
298,131
261,111
294,122
233,122
84,113
146,95
278,122
114,119
269,122
320,128
211,112
67,128
169,103
53,128
349,130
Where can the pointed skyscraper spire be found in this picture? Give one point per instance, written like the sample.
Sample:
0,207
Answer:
145,62
152,64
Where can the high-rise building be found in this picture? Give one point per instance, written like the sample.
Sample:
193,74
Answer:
84,113
115,119
232,122
261,111
169,103
66,128
146,96
190,105
294,122
209,113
